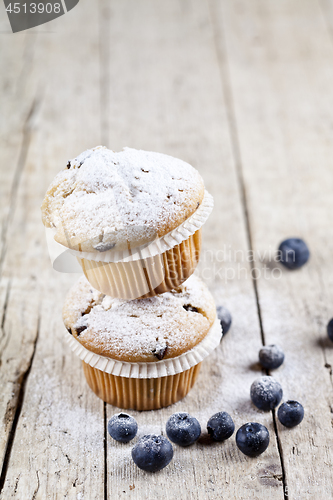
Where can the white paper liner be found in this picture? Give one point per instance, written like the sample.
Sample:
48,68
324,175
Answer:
158,246
156,369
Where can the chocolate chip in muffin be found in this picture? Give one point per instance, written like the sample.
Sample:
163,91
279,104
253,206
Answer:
190,308
81,324
80,329
69,330
68,164
160,351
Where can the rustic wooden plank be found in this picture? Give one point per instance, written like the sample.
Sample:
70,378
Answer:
17,106
4,22
280,62
327,12
16,340
57,441
237,294
19,330
58,447
164,93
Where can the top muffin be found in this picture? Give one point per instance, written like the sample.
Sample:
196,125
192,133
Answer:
104,200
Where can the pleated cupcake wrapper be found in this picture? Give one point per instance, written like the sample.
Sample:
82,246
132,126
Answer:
158,246
152,369
146,277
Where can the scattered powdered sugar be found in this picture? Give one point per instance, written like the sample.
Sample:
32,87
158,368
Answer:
105,198
140,330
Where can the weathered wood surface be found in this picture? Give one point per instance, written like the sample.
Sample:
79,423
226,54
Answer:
282,114
242,90
55,453
188,112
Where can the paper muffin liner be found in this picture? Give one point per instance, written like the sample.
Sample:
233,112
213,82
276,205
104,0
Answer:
159,245
147,370
146,271
140,394
145,277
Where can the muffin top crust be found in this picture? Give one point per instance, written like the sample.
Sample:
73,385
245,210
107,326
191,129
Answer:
105,199
145,330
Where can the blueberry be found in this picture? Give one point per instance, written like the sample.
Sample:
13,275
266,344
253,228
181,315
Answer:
271,357
220,426
252,439
330,329
183,429
122,427
152,453
291,413
266,393
293,253
225,318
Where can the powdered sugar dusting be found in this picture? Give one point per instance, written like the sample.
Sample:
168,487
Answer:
105,199
160,327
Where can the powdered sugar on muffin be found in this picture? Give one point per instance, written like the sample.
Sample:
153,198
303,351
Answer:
105,199
143,330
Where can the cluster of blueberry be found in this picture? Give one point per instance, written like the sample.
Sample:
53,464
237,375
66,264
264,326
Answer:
266,394
154,452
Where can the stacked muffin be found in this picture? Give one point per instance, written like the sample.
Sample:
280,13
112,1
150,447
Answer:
138,320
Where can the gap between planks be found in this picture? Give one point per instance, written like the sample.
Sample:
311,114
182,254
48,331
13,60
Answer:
103,46
222,60
25,143
3,319
105,452
20,400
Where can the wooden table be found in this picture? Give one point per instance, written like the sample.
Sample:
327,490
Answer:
242,90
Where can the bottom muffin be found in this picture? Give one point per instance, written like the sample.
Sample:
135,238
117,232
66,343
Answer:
142,354
140,393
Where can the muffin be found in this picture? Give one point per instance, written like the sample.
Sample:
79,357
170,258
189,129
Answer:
142,354
133,219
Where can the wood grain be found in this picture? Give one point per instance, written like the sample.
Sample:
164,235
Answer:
57,441
171,100
16,340
17,106
280,78
241,90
